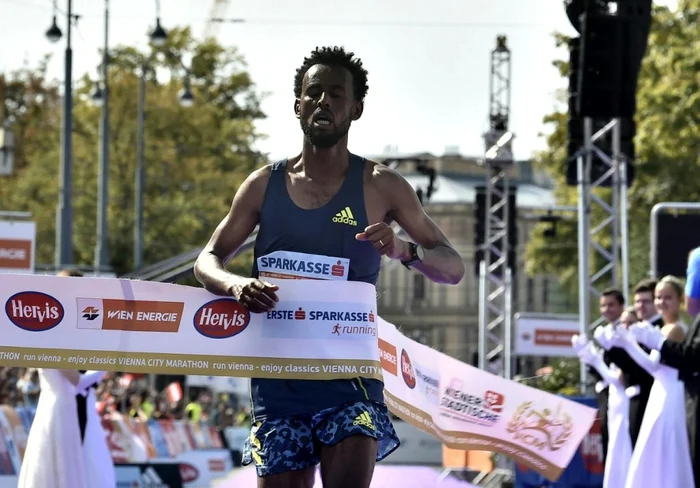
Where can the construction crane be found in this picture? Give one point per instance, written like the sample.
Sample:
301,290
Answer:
218,11
495,287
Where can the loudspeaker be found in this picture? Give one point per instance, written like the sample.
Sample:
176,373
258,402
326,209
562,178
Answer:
607,73
480,213
677,236
574,74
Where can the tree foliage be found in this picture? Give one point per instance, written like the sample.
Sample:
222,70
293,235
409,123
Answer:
667,144
564,378
195,157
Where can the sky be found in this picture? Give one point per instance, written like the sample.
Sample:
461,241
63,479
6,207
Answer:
428,61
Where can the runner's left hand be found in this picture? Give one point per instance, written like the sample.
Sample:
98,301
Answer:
383,239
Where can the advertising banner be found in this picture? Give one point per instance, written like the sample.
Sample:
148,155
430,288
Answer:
318,330
17,244
146,327
546,335
470,409
148,475
585,470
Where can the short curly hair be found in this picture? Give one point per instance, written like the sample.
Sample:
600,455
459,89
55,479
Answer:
334,56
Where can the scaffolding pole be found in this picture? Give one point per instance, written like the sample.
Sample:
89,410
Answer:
495,298
495,278
603,247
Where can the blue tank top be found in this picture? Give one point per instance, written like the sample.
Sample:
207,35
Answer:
326,231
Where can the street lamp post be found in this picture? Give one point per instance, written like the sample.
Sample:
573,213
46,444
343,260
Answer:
186,99
139,188
102,238
158,38
7,149
99,97
64,212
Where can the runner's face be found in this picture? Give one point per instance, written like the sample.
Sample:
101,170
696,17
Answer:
327,105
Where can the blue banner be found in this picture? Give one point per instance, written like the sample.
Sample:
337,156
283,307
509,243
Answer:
158,439
586,468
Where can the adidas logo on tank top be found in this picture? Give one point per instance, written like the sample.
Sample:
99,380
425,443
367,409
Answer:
345,216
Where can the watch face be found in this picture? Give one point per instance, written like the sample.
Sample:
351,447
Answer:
420,253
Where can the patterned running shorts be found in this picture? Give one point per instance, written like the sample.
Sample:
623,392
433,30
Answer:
293,443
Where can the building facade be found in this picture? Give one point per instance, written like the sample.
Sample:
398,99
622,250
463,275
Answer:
445,317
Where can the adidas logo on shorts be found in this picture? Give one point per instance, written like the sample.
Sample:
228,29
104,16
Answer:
364,419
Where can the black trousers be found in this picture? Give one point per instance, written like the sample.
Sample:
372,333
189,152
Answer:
82,414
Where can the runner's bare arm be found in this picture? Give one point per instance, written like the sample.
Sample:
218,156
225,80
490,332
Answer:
442,264
230,235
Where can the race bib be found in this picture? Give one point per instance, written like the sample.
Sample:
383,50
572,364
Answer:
300,266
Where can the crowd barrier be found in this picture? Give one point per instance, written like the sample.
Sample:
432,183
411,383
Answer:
143,451
586,468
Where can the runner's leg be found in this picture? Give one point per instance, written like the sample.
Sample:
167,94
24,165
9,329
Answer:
303,478
349,463
283,452
353,437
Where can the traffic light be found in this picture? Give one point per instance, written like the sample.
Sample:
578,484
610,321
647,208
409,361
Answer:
481,212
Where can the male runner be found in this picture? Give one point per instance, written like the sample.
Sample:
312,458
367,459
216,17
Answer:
324,202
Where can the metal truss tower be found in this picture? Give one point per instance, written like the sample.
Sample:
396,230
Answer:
495,288
603,246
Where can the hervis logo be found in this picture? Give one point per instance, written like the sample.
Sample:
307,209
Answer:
409,376
34,311
221,318
188,473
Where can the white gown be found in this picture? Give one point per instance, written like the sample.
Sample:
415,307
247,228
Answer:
53,457
619,440
98,459
661,456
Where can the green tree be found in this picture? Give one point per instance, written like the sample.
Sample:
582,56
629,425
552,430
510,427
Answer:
564,378
195,158
667,144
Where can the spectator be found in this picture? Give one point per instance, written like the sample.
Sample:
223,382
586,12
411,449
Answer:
148,403
193,410
136,411
28,386
628,317
692,284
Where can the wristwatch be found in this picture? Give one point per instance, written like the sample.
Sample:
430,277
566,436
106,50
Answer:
417,255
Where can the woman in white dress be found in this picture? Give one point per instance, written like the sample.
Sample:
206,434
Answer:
619,447
661,457
97,457
53,458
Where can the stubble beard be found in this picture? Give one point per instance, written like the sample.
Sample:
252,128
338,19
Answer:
323,139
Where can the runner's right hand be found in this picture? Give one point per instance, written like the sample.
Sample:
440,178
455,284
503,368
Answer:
256,295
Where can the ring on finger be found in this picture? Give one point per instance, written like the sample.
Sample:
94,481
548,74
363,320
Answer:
381,243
